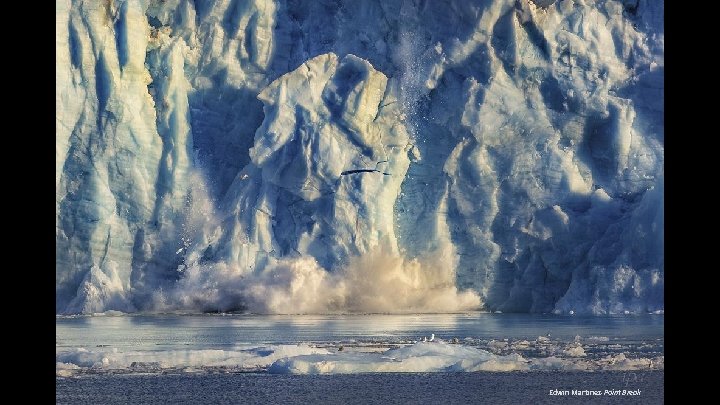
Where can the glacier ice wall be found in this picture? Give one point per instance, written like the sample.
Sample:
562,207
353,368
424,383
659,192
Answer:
381,156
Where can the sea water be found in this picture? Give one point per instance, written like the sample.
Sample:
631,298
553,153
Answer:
466,357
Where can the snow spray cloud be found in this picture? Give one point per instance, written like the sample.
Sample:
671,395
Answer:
377,282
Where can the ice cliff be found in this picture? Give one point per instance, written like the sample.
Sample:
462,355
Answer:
295,156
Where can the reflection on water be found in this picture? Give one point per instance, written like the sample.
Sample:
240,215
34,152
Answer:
163,332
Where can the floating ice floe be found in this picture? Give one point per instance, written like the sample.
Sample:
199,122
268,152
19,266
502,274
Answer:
436,356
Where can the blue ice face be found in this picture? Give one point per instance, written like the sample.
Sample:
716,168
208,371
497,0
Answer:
494,154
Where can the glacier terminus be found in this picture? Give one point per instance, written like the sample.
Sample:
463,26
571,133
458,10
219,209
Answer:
341,156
